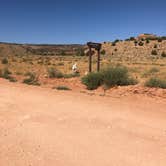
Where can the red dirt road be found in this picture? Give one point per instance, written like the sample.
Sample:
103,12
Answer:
45,127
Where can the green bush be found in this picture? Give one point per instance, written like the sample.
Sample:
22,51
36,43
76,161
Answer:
54,73
109,77
31,79
156,82
4,61
150,72
117,76
92,80
5,73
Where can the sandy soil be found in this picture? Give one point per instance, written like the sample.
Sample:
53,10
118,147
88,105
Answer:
45,127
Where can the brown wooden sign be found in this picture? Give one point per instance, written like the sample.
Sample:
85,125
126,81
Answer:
96,46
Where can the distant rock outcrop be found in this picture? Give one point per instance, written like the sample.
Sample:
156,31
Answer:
146,36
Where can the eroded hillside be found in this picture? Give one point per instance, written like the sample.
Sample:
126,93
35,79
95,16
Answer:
9,49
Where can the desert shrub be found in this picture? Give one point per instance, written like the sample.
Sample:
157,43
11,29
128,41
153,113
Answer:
147,41
156,82
140,43
31,79
109,77
163,54
92,80
117,76
151,71
116,41
103,52
5,73
154,52
159,40
132,38
4,61
128,39
154,70
12,79
63,53
61,88
80,52
135,42
155,46
163,37
54,73
113,44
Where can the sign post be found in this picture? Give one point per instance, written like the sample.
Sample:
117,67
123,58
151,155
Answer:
97,47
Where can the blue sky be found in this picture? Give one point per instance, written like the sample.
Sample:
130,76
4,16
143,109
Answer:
74,21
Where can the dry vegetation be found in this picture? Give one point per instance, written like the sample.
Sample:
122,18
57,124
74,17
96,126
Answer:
51,65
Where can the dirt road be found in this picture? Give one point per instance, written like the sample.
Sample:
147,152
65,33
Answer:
45,127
